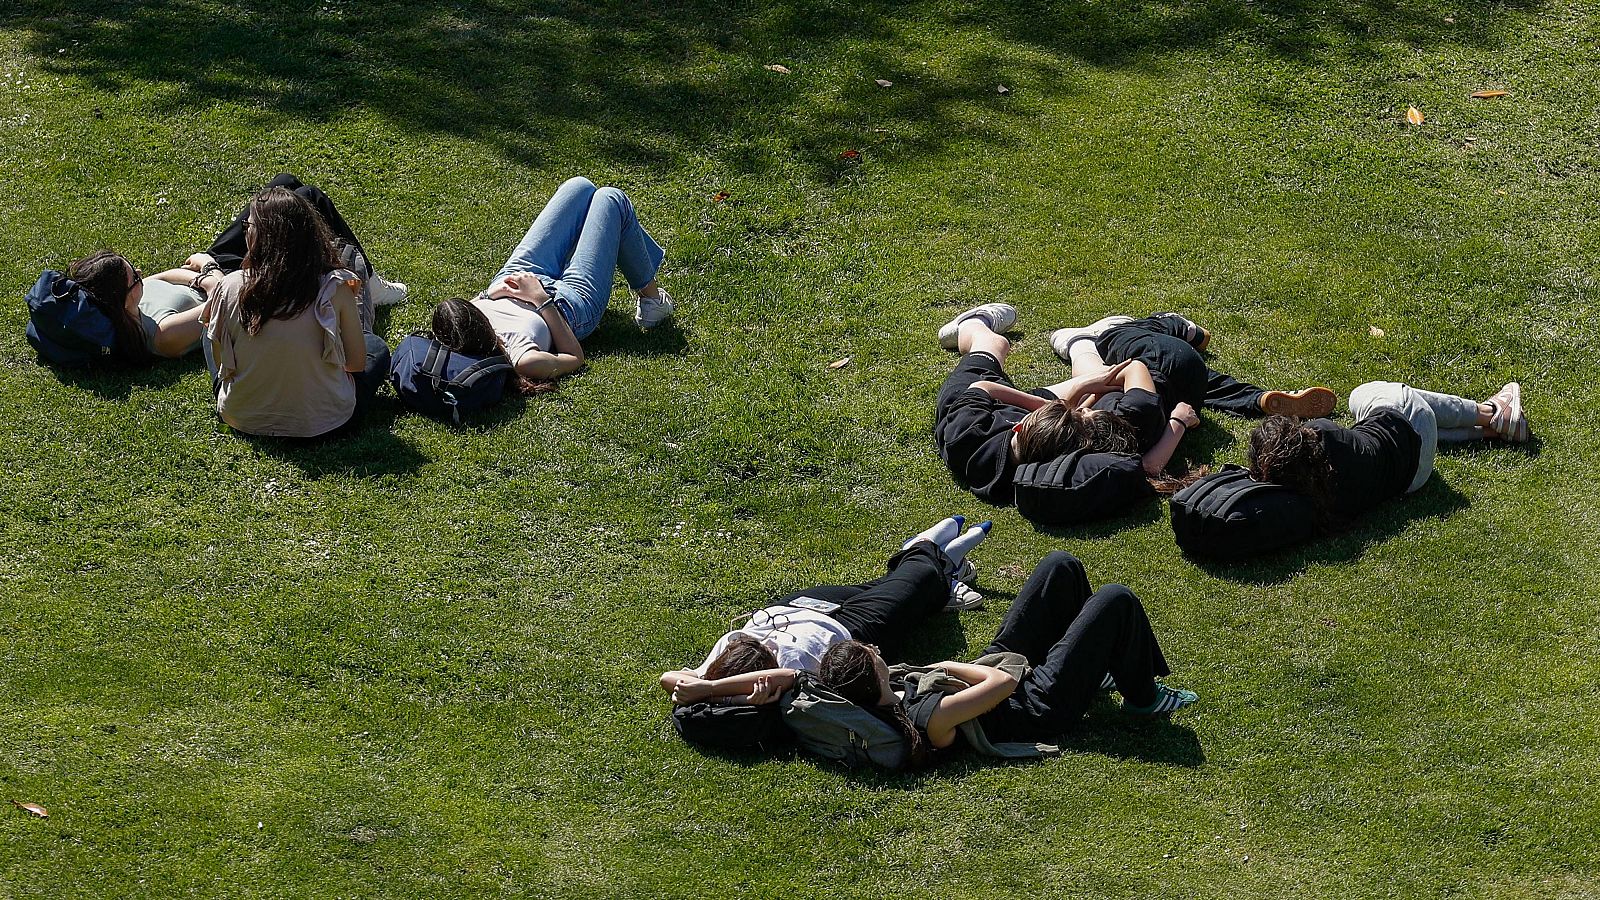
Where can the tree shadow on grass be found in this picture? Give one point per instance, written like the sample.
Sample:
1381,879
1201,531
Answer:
1437,500
371,450
647,85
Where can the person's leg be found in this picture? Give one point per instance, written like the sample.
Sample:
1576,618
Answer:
336,223
1049,601
973,367
1230,395
372,376
229,248
997,318
1110,634
1374,396
916,589
1450,411
610,237
1177,369
548,242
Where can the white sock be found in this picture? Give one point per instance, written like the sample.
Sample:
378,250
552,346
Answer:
958,549
943,532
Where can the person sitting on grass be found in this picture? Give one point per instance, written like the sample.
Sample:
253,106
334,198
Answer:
1389,451
158,316
1077,641
927,575
1141,405
284,335
551,293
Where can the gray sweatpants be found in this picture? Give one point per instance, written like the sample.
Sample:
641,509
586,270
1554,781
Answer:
1427,412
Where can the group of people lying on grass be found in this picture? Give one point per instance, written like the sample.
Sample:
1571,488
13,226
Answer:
1137,387
1066,643
282,304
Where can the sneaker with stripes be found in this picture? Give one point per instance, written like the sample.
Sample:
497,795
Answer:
1168,699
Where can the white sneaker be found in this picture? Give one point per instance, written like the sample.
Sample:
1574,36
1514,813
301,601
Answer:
1062,339
1000,316
385,292
963,597
1509,421
653,311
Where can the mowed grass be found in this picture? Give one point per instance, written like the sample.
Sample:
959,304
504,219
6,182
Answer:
420,662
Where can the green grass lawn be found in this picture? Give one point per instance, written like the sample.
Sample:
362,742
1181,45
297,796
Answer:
420,662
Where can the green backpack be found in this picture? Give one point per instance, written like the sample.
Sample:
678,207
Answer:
835,729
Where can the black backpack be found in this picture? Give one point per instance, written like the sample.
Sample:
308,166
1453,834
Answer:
1079,487
731,727
64,325
1229,516
436,381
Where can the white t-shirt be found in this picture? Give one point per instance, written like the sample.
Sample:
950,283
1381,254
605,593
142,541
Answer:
519,327
797,637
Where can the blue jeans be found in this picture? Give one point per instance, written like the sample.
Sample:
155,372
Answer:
575,246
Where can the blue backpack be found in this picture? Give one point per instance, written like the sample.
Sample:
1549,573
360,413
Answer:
64,325
437,381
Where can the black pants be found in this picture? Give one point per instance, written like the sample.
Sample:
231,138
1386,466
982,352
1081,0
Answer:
1179,371
970,369
883,611
229,247
1072,636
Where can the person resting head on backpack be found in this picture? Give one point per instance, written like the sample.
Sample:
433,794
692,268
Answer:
1389,451
985,427
1077,642
153,318
928,575
463,327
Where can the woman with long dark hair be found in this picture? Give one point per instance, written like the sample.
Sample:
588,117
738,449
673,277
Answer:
284,333
1077,641
551,293
158,316
926,576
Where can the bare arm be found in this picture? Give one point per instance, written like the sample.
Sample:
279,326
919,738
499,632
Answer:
763,686
564,358
351,334
1011,396
988,688
1081,388
178,332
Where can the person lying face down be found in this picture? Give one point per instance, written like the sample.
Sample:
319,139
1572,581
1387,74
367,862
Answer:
923,579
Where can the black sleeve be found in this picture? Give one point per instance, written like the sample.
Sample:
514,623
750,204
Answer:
920,709
1143,411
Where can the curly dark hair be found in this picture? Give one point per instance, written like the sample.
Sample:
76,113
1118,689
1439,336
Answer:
848,669
742,654
1059,427
291,251
1285,450
105,276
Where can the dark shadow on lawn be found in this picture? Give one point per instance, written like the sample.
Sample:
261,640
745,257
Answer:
117,382
618,335
372,450
1437,500
646,84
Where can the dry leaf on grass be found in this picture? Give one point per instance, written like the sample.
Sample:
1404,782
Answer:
850,154
1413,115
33,809
1375,331
882,82
1002,90
781,70
1489,95
720,196
839,363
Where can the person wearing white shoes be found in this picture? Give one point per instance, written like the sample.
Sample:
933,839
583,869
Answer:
985,427
794,632
1389,451
551,293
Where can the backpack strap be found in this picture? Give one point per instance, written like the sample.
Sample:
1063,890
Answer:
434,363
483,368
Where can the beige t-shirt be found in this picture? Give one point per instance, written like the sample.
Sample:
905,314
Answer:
287,380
